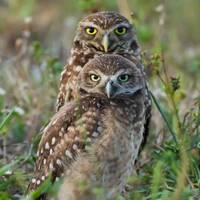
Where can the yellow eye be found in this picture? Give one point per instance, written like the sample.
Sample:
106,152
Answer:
124,78
121,30
94,77
91,30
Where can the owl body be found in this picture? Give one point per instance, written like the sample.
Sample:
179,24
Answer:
97,136
109,160
87,45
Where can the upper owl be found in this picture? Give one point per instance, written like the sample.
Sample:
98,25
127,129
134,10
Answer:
107,32
99,33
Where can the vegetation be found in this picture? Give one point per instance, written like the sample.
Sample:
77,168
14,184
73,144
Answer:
35,40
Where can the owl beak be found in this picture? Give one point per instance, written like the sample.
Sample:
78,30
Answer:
105,43
110,89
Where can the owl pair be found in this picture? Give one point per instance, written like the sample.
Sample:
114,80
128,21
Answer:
103,111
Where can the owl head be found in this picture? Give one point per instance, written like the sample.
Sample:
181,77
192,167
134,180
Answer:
111,77
107,32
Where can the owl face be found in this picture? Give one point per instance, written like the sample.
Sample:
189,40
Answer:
106,32
111,77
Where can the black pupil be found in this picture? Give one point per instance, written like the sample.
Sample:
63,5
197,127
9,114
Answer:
124,77
120,29
91,29
95,77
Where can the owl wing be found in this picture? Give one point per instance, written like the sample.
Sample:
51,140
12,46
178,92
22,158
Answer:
62,87
147,102
51,136
66,87
70,73
62,140
147,121
148,105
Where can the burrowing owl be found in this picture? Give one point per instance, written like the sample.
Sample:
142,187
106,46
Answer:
99,33
96,137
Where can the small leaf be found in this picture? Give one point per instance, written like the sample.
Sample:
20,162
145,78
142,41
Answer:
18,110
175,82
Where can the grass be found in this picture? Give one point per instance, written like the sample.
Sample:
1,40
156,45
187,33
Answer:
169,166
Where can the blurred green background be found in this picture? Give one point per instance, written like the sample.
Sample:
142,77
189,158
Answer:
35,42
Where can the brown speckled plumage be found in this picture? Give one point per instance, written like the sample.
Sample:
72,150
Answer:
97,136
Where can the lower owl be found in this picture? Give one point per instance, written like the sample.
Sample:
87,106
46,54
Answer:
94,140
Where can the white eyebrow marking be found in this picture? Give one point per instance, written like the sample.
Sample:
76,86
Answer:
86,24
121,24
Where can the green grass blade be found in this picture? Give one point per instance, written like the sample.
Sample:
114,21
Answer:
164,117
